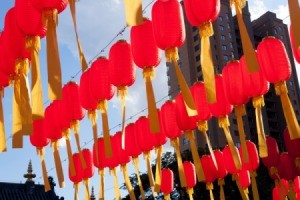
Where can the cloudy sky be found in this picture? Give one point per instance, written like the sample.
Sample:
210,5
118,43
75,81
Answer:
98,23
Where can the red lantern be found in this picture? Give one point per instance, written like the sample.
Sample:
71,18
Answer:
229,160
296,51
210,172
273,158
169,34
280,191
167,182
102,90
39,139
191,180
77,178
221,171
88,172
277,70
146,56
244,178
292,147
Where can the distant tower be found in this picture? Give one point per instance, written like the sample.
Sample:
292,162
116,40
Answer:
92,195
29,174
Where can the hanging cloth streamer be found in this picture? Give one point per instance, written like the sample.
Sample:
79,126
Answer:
116,183
205,31
101,185
76,188
92,115
41,153
136,167
86,191
147,157
190,192
50,19
189,135
167,196
33,46
221,183
291,193
2,128
149,74
122,92
66,134
210,187
172,56
83,62
258,103
244,193
159,151
127,182
58,166
274,171
175,144
289,114
240,111
254,185
133,11
248,49
17,134
224,124
295,16
102,106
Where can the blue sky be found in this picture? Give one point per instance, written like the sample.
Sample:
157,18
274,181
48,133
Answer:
98,22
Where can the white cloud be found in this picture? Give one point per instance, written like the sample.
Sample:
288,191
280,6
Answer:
257,8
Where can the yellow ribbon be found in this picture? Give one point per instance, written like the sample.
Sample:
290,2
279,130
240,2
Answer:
258,103
33,46
17,133
75,127
83,62
147,157
248,49
175,144
101,185
127,182
221,183
167,196
240,111
295,16
136,167
148,74
210,187
76,188
102,106
244,193
58,165
159,151
289,114
92,115
189,135
172,55
254,185
291,193
205,31
190,192
122,92
203,127
41,153
66,134
133,11
116,183
2,129
50,18
224,124
86,191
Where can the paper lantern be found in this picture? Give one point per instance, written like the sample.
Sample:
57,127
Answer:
277,70
169,34
296,51
39,139
172,131
280,191
102,90
188,124
221,109
292,147
244,179
167,184
122,70
210,172
191,179
221,172
77,178
146,56
88,172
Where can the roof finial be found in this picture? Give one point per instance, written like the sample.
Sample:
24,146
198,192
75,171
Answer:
29,174
92,195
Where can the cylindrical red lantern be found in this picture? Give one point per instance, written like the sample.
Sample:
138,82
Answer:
221,171
277,70
292,147
169,34
244,179
146,56
191,179
167,184
88,172
77,178
210,172
273,158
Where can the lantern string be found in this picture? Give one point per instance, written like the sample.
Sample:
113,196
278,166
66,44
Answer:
136,167
175,144
101,185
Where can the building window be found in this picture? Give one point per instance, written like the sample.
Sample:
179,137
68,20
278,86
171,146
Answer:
234,121
196,37
275,31
216,57
295,102
179,64
231,45
229,35
221,28
197,58
223,37
236,133
195,28
185,141
281,37
291,83
279,28
224,47
198,69
225,57
220,18
228,26
168,68
197,47
237,144
227,17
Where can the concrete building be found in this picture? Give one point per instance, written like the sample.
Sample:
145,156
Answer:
225,44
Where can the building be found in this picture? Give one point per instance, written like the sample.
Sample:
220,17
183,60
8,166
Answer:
226,44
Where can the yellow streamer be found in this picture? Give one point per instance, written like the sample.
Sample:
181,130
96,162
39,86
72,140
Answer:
289,114
116,183
127,182
221,183
92,115
224,124
75,127
147,156
167,196
149,73
205,31
136,167
58,165
240,111
295,16
291,193
17,129
210,187
41,153
101,185
133,11
2,129
199,170
53,61
258,103
248,49
122,92
86,191
76,188
159,151
172,55
254,185
243,192
33,46
83,62
175,144
190,192
66,134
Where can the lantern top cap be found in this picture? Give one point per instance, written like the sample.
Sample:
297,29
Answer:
171,100
73,82
198,82
232,61
130,124
146,18
142,117
101,57
122,40
268,37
